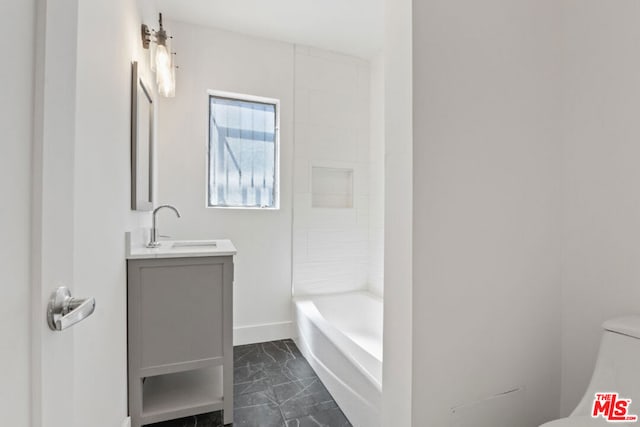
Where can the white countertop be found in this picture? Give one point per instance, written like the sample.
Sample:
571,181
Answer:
180,249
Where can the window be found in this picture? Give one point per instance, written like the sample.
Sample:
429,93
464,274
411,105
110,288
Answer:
243,151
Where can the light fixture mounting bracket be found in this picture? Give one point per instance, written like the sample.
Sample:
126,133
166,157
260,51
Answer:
146,36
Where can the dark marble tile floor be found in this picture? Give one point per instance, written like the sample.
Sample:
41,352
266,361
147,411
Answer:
274,386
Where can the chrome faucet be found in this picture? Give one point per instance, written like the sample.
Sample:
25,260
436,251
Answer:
153,242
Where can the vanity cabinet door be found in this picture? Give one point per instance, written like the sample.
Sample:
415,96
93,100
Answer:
179,313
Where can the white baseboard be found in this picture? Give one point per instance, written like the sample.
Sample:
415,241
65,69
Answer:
126,422
262,332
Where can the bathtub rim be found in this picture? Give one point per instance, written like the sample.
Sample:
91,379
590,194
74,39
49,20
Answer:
329,330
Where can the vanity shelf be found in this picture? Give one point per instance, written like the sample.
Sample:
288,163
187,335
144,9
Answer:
182,394
180,346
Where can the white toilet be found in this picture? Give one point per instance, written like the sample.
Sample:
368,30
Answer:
617,370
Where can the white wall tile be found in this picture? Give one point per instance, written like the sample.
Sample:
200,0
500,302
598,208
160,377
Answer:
335,109
336,56
319,74
376,155
335,128
325,142
332,131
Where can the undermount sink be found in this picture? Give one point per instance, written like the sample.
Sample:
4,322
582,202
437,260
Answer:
194,244
138,249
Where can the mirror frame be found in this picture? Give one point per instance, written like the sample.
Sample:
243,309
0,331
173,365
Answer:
136,81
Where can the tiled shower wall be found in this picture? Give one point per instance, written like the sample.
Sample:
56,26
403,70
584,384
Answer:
332,246
376,178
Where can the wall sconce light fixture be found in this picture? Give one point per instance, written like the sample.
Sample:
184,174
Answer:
161,58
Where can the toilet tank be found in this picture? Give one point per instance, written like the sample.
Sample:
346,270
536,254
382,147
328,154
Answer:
618,365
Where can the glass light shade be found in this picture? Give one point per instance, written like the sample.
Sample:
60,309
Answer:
165,76
165,86
172,89
166,79
162,62
152,56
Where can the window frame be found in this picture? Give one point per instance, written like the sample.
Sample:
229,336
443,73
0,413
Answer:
244,98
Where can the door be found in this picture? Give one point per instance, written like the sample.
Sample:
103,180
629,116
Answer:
17,24
52,228
81,206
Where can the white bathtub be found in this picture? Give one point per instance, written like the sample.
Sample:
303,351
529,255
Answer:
341,337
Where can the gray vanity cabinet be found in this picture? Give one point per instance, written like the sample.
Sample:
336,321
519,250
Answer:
180,337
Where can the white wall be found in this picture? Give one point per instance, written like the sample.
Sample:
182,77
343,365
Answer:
331,245
376,176
325,108
17,43
108,40
220,60
601,250
486,271
398,256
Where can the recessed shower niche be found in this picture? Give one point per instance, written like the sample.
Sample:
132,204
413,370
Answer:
331,187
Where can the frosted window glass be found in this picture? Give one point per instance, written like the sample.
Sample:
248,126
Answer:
242,153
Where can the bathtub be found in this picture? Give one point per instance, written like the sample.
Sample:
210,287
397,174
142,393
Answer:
341,337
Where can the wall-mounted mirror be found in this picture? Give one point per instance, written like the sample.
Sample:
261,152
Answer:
142,143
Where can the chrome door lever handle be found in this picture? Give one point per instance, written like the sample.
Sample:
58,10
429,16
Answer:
64,311
80,309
